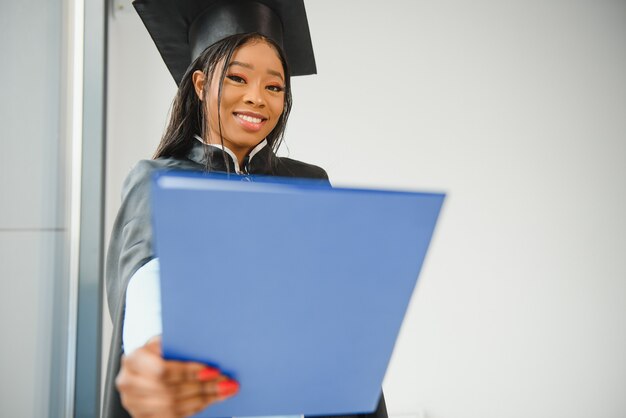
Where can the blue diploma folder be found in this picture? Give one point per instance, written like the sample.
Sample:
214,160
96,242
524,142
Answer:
295,289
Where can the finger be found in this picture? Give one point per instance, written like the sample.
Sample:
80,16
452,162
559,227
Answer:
227,388
189,390
208,374
213,393
187,371
220,388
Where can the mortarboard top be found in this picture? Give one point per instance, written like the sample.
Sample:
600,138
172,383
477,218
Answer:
182,29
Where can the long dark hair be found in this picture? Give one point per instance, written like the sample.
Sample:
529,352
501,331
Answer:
187,115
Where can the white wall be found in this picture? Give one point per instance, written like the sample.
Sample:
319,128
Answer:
517,110
33,229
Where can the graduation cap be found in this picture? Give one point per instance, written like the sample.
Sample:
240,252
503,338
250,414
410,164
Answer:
182,29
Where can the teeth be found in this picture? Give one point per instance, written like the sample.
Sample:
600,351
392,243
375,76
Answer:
250,118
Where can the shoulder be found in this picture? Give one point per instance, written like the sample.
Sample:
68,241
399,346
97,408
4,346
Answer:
140,175
287,167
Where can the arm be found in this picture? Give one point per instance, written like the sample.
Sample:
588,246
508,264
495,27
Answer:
149,385
142,316
142,382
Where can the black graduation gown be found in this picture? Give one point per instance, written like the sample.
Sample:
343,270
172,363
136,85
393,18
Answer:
131,240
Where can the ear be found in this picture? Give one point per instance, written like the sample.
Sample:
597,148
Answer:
198,79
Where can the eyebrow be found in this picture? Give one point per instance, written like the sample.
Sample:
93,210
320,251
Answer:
251,67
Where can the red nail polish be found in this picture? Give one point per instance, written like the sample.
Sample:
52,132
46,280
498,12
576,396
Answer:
208,373
227,387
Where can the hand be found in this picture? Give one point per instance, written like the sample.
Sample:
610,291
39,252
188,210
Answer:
152,387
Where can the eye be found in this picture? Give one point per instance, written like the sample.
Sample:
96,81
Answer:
276,89
236,78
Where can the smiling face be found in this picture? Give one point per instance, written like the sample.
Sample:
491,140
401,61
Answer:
253,97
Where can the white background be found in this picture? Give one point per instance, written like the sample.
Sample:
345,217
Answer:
516,109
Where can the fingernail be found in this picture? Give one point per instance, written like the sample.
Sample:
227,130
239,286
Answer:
208,373
227,387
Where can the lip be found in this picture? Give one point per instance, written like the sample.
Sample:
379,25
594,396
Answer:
249,125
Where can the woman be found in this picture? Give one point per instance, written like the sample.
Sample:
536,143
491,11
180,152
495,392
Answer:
229,115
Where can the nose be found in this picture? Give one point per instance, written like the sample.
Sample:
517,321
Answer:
254,96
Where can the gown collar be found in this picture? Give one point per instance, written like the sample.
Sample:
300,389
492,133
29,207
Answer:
257,162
